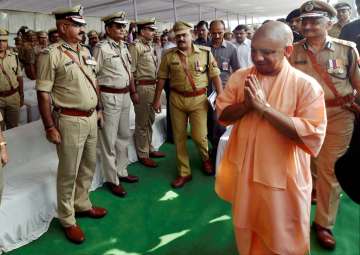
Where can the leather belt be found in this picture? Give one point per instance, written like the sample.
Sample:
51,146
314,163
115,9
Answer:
195,93
146,82
74,112
8,92
114,90
340,101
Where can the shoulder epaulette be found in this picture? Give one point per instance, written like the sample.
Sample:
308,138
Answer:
344,42
202,47
101,43
167,51
301,42
50,48
12,52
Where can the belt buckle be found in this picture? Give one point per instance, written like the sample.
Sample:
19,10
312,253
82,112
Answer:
90,112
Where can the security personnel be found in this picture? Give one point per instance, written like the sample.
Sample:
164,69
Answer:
29,53
53,35
334,64
116,87
144,68
93,37
11,84
66,78
343,15
42,39
3,159
188,67
294,21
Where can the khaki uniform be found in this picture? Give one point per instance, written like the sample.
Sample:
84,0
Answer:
10,105
335,30
1,173
70,89
114,72
143,66
340,59
202,65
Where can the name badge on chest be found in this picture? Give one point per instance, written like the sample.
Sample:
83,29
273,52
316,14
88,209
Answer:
90,60
225,66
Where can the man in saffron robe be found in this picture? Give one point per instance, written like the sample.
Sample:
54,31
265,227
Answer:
279,121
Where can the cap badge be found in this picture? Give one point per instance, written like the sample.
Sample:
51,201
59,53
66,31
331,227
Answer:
309,7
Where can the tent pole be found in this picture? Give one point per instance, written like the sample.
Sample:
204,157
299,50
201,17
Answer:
215,13
70,3
135,10
174,8
245,20
238,18
199,12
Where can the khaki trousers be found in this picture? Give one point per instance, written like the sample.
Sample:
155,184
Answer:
114,136
338,135
10,110
77,161
144,119
182,110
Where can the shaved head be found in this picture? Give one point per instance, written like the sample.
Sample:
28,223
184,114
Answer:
276,32
271,43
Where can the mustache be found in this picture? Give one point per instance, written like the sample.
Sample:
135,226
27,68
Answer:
82,33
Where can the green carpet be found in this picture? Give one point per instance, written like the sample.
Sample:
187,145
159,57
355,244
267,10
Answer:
195,222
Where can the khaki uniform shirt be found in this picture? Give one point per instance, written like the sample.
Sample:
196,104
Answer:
335,30
144,60
114,63
12,68
339,58
60,76
201,64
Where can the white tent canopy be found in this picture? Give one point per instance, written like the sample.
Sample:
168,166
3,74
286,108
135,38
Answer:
36,13
164,9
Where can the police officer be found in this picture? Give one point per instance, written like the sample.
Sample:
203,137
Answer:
294,21
343,15
53,35
93,37
144,68
11,84
66,78
351,31
42,39
3,159
188,67
29,53
334,64
116,87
